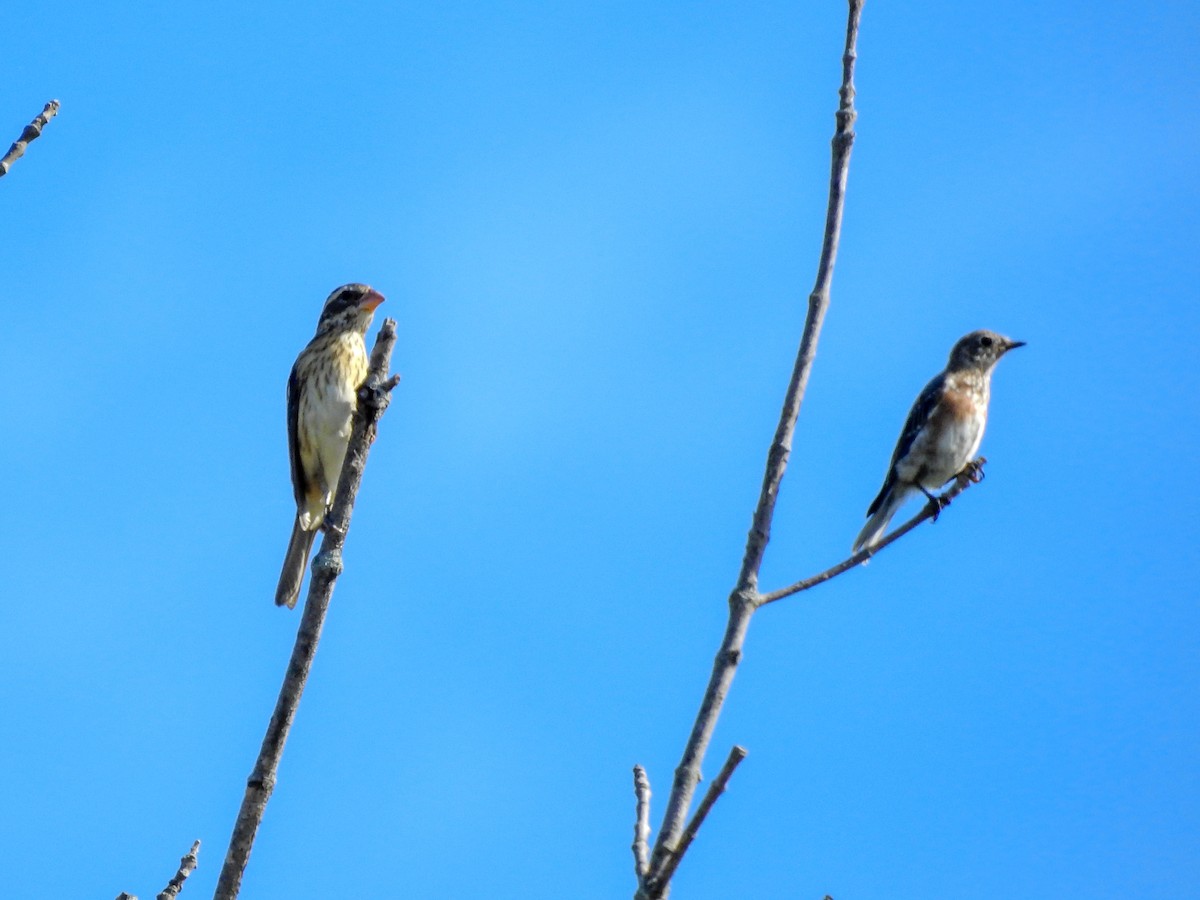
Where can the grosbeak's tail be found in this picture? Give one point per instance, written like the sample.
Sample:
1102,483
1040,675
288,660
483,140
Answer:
293,566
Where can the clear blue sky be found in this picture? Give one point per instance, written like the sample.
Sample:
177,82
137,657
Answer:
597,224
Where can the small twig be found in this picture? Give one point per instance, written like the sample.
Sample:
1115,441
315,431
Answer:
373,399
187,866
972,474
641,826
715,790
32,132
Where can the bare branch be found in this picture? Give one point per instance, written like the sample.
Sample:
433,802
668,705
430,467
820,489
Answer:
187,866
373,399
641,826
32,132
715,790
972,474
743,600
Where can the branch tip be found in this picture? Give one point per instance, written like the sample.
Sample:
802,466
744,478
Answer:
31,132
641,825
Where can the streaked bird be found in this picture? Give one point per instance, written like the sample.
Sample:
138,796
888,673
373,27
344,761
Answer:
943,431
321,396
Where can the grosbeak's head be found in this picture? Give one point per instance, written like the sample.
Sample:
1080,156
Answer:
349,307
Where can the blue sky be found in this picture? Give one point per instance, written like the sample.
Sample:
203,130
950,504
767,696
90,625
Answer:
597,224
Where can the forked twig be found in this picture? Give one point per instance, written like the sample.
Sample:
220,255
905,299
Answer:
715,790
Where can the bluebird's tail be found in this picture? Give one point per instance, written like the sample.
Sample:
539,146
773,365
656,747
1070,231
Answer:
890,499
293,566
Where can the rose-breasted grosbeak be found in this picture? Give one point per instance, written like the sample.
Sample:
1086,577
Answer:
321,396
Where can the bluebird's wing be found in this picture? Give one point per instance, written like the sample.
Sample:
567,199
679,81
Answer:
921,410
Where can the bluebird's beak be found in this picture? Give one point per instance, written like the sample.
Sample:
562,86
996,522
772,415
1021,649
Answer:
1012,345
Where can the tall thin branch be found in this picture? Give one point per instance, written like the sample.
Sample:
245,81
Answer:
31,132
744,599
373,399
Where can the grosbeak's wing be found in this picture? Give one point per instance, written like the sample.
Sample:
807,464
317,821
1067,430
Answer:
293,430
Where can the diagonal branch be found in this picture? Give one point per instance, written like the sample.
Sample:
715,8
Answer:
31,132
744,598
373,399
972,474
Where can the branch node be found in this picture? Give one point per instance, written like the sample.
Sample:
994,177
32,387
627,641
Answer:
328,563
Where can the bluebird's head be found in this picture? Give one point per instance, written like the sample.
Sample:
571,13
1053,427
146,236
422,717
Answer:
980,350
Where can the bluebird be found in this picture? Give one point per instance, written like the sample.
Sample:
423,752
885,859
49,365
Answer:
943,430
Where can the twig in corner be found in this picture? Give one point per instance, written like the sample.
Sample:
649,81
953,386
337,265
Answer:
187,866
32,132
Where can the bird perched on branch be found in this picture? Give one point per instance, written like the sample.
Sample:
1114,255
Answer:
321,396
943,431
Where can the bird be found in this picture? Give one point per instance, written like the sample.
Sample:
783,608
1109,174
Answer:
943,430
321,397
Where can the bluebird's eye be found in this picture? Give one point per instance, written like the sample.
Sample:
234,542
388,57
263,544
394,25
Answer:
985,341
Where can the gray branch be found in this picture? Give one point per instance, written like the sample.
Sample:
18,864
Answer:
373,399
641,825
744,598
715,790
31,133
971,474
187,866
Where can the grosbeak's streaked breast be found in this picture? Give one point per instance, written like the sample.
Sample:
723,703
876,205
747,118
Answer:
321,396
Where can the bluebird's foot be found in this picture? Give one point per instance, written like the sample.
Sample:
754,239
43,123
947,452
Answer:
974,470
936,503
